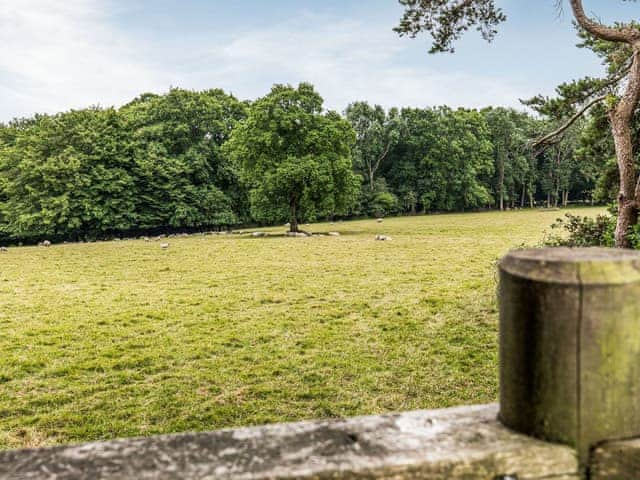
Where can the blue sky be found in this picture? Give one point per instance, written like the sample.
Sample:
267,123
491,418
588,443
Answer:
60,55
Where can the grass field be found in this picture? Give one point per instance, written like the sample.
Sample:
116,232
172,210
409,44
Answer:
124,339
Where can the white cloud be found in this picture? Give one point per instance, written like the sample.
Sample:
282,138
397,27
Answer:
346,61
61,55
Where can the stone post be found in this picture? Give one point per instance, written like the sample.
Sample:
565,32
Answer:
570,345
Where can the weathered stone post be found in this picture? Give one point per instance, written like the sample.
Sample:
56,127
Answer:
570,345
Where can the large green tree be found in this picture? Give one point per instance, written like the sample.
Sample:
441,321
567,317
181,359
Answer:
377,132
443,161
458,166
617,44
558,169
294,157
515,164
67,175
183,178
156,163
597,157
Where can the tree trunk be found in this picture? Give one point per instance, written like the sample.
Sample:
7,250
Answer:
531,201
501,182
627,199
627,218
621,118
556,179
373,168
522,198
293,224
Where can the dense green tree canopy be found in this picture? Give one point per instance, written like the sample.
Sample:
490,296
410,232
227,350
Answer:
182,176
155,163
68,175
515,164
295,159
443,160
198,160
458,163
377,132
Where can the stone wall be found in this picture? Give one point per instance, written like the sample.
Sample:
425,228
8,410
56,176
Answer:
466,443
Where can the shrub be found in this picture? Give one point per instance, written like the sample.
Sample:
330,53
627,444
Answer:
383,203
583,231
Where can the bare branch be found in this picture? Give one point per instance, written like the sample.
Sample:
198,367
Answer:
559,9
551,137
383,155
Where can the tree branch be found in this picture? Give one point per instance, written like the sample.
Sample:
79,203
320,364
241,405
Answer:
625,35
631,97
614,80
383,155
548,138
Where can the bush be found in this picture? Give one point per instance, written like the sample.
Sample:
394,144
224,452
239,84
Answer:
583,231
383,204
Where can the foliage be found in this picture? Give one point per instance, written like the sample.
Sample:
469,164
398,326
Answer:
155,163
443,160
560,168
68,175
295,159
515,178
382,202
615,95
596,157
617,45
587,231
583,231
182,176
447,21
167,162
377,132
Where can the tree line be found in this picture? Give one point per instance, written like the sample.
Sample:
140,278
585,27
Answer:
190,160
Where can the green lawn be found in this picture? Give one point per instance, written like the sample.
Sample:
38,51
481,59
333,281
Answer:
124,339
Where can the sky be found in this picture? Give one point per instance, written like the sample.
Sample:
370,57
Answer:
57,55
